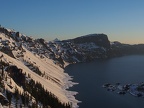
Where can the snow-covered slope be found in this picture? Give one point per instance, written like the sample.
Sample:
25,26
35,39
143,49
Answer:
44,62
51,76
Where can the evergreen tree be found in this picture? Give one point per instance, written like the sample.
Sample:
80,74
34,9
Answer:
23,99
2,71
9,97
17,34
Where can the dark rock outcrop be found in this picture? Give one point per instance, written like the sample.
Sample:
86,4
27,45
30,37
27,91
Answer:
120,49
86,48
99,39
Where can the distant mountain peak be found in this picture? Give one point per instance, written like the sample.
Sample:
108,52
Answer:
56,40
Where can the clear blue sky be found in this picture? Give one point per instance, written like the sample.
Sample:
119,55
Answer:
121,20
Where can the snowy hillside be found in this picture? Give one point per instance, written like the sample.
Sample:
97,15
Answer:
34,59
33,69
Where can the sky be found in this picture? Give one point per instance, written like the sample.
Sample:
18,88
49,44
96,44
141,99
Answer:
121,20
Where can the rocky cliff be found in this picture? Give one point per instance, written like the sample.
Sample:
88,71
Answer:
99,39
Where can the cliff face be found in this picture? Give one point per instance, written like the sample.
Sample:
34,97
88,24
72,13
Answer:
84,48
34,65
99,39
120,49
28,73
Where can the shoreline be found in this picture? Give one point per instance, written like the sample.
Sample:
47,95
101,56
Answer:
68,84
71,83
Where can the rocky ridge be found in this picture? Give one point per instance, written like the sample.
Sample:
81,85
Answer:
34,64
41,63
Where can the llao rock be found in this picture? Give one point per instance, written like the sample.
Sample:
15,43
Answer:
99,39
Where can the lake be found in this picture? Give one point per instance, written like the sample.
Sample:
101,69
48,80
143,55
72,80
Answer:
91,76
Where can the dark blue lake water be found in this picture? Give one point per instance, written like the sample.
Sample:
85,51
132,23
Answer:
91,76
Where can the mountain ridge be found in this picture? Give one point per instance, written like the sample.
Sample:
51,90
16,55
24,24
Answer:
43,64
18,50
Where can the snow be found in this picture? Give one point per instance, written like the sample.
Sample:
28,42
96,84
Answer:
1,106
46,66
60,92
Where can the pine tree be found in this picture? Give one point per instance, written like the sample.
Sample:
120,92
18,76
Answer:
16,95
2,71
29,75
6,77
17,34
9,97
23,99
10,82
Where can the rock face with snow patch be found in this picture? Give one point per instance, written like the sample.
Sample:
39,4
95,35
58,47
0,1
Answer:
86,48
37,61
40,63
29,75
99,39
